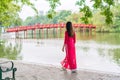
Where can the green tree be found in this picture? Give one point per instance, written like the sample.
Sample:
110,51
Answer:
61,16
29,21
99,21
43,19
75,17
103,5
116,18
9,10
9,51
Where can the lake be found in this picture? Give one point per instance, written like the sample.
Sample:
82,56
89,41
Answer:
97,51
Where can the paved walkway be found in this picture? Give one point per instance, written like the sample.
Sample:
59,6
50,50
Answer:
30,71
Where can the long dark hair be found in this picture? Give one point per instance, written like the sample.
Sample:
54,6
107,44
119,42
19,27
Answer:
69,29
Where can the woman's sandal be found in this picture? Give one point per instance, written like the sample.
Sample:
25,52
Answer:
74,71
63,69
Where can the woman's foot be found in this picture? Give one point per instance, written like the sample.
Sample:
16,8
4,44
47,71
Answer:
63,68
74,71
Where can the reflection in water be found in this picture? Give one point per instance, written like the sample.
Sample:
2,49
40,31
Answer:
85,49
85,36
108,38
96,51
101,52
113,54
10,51
104,38
98,56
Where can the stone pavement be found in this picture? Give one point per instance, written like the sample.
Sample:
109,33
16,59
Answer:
32,71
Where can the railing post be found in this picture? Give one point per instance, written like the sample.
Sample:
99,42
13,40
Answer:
0,73
14,73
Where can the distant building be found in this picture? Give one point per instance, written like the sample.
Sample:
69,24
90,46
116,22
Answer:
41,12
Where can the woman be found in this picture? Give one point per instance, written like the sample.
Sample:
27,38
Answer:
69,45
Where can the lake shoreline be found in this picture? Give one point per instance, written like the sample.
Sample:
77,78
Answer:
33,71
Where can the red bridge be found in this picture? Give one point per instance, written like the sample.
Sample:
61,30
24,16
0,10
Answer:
39,27
42,26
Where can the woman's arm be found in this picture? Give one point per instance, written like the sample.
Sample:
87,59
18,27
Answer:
74,37
65,40
63,47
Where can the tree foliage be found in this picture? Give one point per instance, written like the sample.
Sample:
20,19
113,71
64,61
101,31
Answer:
60,17
53,5
42,19
103,5
75,17
9,11
116,17
99,20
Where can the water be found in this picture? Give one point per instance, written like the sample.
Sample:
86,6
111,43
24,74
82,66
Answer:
99,52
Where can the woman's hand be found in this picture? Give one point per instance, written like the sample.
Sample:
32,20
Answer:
63,49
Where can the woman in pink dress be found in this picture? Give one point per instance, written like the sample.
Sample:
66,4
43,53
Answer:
69,45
